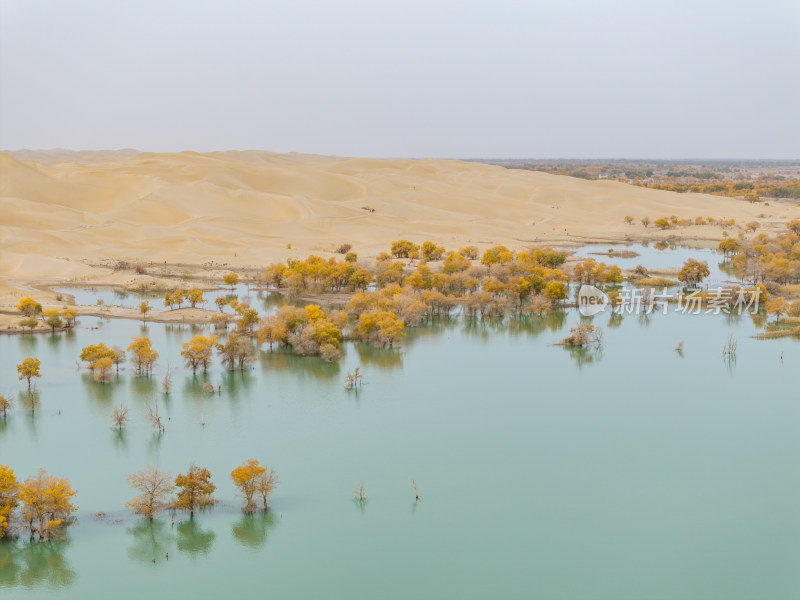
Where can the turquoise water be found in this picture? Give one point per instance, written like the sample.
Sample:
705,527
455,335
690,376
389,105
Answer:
629,472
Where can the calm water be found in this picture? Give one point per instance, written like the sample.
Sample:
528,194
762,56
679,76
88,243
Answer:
117,297
654,257
633,472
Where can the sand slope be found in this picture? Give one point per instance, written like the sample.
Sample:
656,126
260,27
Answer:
60,209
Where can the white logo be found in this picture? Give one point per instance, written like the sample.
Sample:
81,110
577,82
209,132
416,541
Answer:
591,300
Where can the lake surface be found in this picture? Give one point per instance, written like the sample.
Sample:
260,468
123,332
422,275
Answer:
110,296
545,472
660,256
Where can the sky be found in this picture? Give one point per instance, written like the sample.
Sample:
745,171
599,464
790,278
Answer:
411,78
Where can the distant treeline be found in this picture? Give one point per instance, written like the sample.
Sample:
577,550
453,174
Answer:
752,179
759,189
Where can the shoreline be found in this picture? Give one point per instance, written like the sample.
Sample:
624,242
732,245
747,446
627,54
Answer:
198,276
53,292
9,320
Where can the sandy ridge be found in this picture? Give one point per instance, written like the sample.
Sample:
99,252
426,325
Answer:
63,212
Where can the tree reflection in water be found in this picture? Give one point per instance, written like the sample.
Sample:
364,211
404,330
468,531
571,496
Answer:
31,564
193,539
251,530
119,439
101,393
513,324
381,358
152,540
286,361
143,386
615,320
585,355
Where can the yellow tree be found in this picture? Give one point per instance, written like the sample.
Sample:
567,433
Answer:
309,331
740,265
613,276
142,354
379,327
102,369
314,313
195,489
556,290
590,272
9,491
431,251
94,352
493,286
29,307
197,352
455,263
28,369
387,272
195,297
497,255
178,297
245,477
69,315
470,252
728,247
403,248
144,308
273,330
248,318
326,337
231,279
5,405
693,272
47,503
236,350
154,487
778,307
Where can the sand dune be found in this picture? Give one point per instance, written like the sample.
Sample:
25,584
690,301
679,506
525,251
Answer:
62,211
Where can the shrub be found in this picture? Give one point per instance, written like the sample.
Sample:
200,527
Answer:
431,251
583,335
655,282
662,223
469,252
404,249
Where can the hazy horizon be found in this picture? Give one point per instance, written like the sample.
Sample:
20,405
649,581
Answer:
486,159
468,80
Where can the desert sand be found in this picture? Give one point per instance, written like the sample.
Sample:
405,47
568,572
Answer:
67,216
